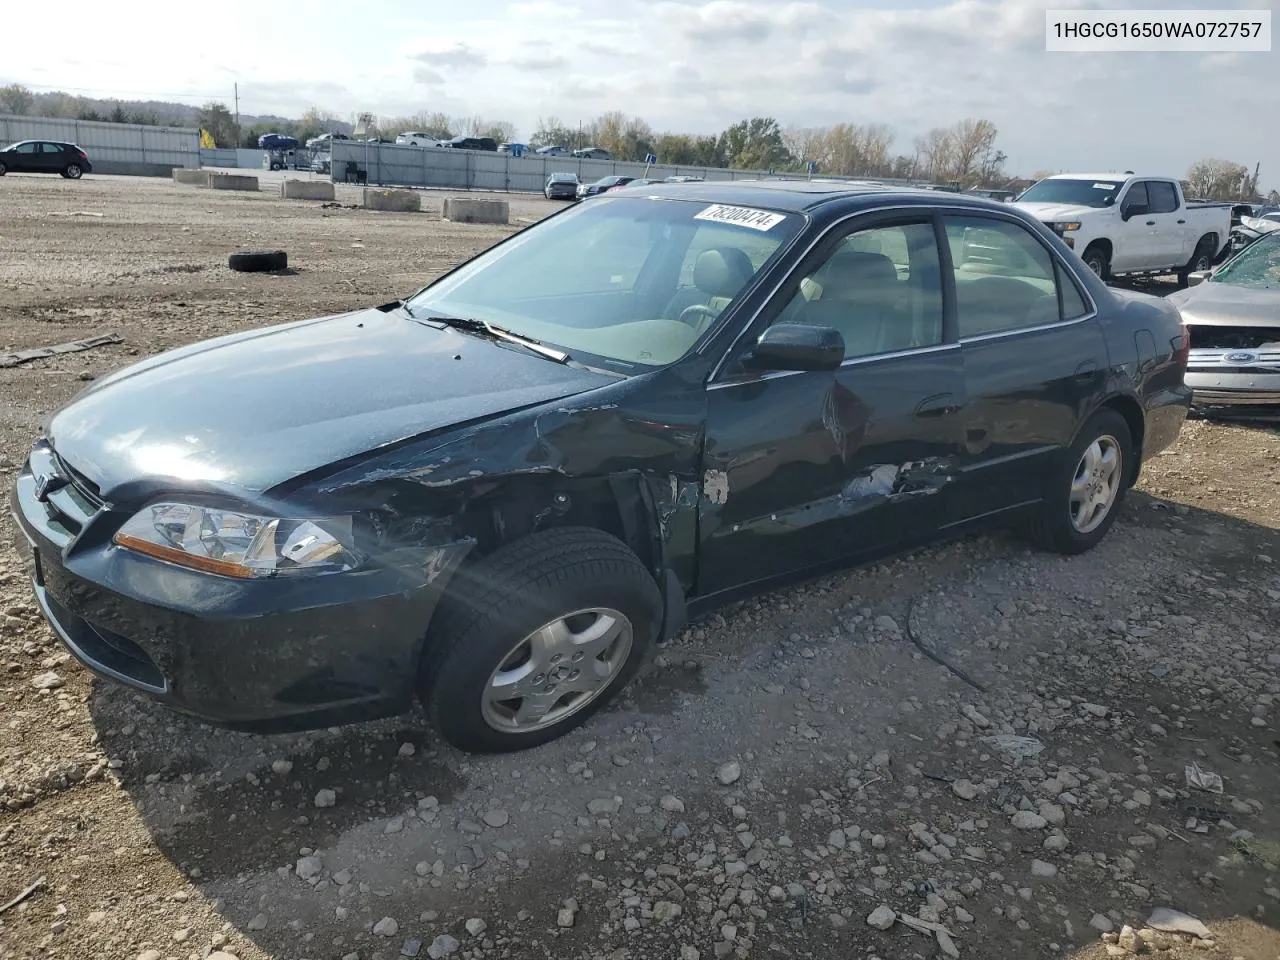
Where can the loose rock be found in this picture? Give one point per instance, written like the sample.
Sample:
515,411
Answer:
729,772
882,917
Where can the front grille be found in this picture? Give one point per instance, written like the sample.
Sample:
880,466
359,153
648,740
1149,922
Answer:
69,500
1207,337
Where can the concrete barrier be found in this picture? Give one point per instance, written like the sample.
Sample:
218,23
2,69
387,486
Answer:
232,181
306,190
129,168
401,201
467,210
195,178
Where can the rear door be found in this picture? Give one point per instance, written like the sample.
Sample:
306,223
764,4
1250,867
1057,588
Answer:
1171,234
1035,361
52,158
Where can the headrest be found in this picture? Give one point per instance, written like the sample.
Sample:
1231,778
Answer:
854,272
722,271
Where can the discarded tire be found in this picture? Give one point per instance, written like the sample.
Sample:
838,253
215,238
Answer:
258,261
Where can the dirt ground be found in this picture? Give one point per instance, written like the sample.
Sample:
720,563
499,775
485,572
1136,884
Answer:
783,772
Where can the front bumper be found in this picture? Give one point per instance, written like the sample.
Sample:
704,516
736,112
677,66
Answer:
1226,389
263,655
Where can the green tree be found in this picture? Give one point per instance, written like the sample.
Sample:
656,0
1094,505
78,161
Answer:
16,99
217,119
755,144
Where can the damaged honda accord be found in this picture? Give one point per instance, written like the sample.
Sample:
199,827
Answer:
497,495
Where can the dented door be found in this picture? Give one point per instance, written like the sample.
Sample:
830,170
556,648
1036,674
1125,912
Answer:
810,469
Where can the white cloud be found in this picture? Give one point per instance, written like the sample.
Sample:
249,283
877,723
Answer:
690,65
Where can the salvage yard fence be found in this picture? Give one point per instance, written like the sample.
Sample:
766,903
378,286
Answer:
128,148
394,165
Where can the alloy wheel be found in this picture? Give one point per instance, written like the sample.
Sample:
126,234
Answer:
1096,483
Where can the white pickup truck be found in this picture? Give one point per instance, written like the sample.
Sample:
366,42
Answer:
1121,224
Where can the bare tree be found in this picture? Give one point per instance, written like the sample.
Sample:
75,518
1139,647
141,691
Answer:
16,99
1220,180
937,152
973,142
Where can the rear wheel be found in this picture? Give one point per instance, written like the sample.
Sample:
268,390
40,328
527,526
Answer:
536,637
3,169
73,171
1088,487
1201,259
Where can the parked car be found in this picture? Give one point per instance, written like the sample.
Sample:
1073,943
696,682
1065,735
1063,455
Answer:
45,156
412,139
562,186
472,143
552,151
593,153
600,186
683,179
548,458
1126,225
1004,196
277,142
1233,316
325,139
514,149
642,182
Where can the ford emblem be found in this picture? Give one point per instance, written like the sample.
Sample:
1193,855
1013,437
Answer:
1241,357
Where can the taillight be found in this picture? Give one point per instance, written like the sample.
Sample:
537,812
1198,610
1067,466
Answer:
1182,346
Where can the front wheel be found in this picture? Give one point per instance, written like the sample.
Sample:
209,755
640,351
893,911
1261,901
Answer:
1096,259
73,171
1201,259
3,169
1088,487
536,637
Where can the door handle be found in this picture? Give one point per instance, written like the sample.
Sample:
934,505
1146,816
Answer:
1182,221
939,405
1151,223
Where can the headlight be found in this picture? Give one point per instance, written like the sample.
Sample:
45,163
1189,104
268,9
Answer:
242,545
1064,226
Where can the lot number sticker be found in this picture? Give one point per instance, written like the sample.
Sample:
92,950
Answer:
741,216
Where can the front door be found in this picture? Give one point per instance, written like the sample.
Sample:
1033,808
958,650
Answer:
24,158
1135,247
806,469
1035,361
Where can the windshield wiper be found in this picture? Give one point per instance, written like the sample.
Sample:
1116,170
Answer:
476,325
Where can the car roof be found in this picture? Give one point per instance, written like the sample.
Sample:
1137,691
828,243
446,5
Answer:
798,196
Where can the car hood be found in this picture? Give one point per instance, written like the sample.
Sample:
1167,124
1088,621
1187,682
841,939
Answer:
1226,304
1052,212
249,411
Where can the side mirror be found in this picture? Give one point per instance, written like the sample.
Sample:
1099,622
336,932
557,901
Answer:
795,346
1198,277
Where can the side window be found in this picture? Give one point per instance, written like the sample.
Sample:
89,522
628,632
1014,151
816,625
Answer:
1137,195
1161,195
26,148
50,148
880,287
1005,278
1073,302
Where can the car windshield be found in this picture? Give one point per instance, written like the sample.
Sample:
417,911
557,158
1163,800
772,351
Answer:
1083,193
630,281
1256,266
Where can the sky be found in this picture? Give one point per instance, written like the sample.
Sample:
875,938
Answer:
692,66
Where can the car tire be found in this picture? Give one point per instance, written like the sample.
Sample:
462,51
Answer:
73,171
1201,259
1063,523
575,590
3,168
1096,259
258,261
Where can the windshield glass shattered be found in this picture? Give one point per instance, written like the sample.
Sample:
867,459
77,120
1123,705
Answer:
631,281
1257,265
1083,193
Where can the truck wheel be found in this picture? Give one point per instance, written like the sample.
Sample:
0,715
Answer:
1202,259
258,261
535,638
1096,259
1088,487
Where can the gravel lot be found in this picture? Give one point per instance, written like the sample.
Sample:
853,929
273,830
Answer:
800,776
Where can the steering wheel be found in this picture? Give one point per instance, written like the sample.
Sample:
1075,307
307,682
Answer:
695,309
